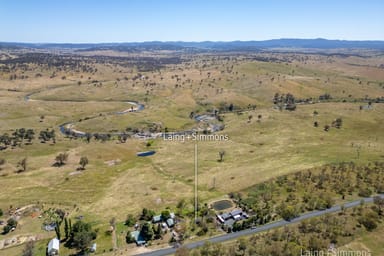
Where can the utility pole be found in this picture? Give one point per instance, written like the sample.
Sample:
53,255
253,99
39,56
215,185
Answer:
196,180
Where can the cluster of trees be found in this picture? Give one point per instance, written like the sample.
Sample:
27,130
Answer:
17,138
337,123
62,158
78,235
325,96
71,63
47,135
81,235
286,196
11,224
148,231
227,107
313,189
25,136
46,61
102,137
284,101
312,235
147,214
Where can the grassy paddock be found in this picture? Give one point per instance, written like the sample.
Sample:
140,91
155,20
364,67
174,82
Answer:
116,182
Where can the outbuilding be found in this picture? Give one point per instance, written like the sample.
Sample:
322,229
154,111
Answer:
53,247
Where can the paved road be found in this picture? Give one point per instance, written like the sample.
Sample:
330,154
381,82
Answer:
277,224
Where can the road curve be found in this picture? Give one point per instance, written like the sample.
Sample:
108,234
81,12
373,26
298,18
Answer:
277,224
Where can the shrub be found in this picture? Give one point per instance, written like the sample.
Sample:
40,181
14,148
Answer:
365,192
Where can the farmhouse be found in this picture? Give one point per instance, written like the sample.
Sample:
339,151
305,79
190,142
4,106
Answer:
138,238
234,215
170,222
53,247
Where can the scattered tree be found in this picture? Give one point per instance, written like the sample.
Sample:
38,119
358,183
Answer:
337,123
130,220
22,164
165,214
221,155
61,159
287,212
128,237
83,162
66,228
368,221
147,214
158,231
82,235
88,137
57,230
11,224
2,162
378,201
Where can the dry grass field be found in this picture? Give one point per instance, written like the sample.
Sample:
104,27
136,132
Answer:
116,182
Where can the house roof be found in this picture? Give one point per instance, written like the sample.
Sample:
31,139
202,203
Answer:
50,227
220,218
170,222
237,217
54,244
225,215
138,238
156,218
236,212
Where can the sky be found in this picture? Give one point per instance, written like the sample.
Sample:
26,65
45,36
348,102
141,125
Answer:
102,21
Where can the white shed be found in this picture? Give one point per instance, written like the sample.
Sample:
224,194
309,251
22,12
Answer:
53,247
93,247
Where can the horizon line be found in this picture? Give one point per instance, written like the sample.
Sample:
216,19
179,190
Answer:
187,41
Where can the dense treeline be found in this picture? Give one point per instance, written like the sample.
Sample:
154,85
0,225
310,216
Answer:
73,62
314,189
25,136
290,195
310,236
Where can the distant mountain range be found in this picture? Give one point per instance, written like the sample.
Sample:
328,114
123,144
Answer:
208,45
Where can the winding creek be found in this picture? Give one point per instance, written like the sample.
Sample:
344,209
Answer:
68,128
